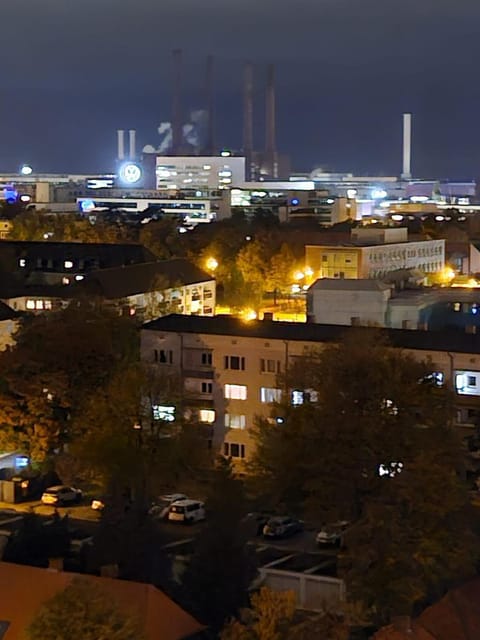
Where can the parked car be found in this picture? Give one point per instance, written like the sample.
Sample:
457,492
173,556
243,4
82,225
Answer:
255,522
186,511
282,527
61,495
162,506
332,534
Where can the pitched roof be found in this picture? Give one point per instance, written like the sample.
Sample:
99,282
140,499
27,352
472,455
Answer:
7,313
102,254
448,340
24,589
455,617
120,282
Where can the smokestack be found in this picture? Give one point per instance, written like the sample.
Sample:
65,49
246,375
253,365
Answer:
177,102
120,144
248,119
131,140
270,145
407,146
209,87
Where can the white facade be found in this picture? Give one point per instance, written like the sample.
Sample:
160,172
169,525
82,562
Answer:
190,172
338,302
350,261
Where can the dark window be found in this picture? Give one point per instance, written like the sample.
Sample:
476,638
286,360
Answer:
163,356
206,358
4,624
472,381
236,363
207,387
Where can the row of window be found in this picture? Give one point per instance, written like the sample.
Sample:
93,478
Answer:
232,363
239,392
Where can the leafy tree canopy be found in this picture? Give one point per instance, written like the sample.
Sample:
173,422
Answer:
83,611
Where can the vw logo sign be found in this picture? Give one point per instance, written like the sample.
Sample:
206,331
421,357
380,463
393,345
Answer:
130,173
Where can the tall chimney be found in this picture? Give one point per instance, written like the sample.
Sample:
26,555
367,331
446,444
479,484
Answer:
209,89
131,140
120,144
248,119
177,102
407,146
270,145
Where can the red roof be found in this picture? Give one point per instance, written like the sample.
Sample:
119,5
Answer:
455,617
24,589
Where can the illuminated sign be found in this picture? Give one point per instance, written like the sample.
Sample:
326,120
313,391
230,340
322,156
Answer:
130,173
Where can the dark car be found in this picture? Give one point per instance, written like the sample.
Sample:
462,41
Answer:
282,527
255,522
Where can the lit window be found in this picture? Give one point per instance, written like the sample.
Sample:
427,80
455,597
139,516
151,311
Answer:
235,421
235,391
297,397
207,415
79,278
467,383
163,412
65,280
47,304
22,262
68,264
30,304
268,394
39,305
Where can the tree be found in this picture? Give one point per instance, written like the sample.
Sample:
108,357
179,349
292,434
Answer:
83,610
281,269
272,615
57,362
373,442
126,445
220,571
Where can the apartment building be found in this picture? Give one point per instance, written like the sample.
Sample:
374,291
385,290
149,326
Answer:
231,370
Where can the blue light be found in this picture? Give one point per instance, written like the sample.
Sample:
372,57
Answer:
295,201
21,461
86,205
10,194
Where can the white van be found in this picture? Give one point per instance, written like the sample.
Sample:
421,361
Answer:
186,511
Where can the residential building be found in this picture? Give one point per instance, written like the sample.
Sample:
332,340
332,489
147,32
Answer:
25,589
146,289
375,261
232,369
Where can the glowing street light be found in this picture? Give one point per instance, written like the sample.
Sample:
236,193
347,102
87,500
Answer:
212,264
26,170
298,275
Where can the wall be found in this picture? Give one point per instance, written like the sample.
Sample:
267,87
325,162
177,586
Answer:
340,306
186,359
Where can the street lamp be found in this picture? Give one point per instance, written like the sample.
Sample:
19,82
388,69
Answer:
212,263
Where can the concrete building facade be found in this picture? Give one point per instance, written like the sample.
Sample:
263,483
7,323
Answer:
232,370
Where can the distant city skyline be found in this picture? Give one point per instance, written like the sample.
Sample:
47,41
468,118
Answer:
345,73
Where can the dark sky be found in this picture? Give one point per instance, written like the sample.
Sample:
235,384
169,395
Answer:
74,71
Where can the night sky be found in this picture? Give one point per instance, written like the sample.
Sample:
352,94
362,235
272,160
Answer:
73,71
